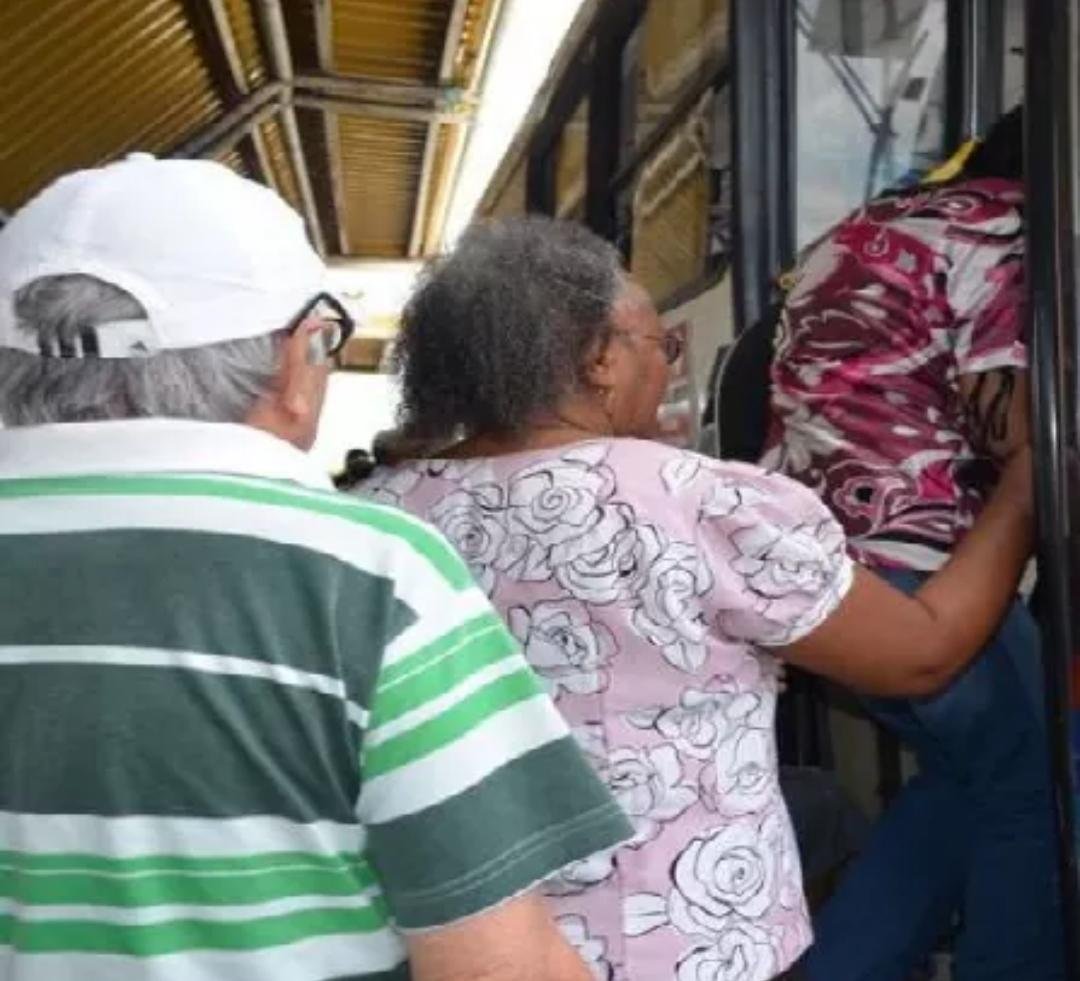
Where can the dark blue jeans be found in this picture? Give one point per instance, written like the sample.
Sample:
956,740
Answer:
972,834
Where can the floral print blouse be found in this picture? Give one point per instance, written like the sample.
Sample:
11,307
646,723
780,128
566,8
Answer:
643,583
890,309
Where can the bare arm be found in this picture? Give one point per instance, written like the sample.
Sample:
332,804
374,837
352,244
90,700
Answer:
881,641
515,942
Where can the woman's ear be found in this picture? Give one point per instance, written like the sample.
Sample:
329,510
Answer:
600,368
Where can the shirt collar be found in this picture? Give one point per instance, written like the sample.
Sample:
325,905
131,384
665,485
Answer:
139,446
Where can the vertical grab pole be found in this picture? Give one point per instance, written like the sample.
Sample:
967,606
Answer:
1051,274
763,55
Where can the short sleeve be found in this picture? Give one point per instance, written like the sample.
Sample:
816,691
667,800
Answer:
473,789
988,296
778,556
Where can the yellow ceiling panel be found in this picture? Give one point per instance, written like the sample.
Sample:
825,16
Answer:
233,160
87,80
392,39
280,163
381,161
246,39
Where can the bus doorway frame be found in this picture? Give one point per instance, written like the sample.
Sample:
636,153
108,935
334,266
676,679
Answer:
764,73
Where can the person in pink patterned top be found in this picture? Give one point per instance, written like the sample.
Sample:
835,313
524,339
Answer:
899,392
654,590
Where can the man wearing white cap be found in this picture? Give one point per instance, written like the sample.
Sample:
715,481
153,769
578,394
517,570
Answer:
248,729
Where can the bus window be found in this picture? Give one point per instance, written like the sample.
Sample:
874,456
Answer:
870,83
570,165
1012,69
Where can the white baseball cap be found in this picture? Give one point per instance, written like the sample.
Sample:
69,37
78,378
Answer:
210,255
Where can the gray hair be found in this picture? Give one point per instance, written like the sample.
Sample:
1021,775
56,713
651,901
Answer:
216,383
497,331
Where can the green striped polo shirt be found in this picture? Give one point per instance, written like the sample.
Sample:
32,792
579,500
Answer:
251,729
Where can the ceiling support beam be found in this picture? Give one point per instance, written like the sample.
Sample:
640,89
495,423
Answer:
262,153
272,23
443,183
224,133
439,96
324,41
454,34
376,110
251,146
223,37
209,21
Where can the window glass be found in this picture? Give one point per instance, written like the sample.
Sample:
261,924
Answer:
870,102
671,207
511,199
675,40
570,160
1012,74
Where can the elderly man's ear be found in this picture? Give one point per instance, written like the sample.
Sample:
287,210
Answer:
292,407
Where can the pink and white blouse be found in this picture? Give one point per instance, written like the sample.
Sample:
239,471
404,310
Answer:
644,584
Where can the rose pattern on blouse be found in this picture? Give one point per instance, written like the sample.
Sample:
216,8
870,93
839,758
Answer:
671,616
639,580
565,646
698,724
470,520
554,503
743,952
590,949
580,876
391,485
610,564
648,784
775,564
741,779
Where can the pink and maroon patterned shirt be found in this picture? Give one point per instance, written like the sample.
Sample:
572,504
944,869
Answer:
889,310
643,583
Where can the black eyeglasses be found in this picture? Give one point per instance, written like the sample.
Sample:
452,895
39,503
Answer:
671,344
337,325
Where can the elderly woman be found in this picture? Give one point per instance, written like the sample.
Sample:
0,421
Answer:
655,590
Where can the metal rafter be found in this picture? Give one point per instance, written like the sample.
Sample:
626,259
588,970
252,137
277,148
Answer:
392,93
209,22
454,33
262,152
272,24
459,137
223,36
325,43
224,133
376,110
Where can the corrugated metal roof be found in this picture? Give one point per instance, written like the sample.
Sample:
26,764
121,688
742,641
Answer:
85,81
284,177
246,39
390,39
381,162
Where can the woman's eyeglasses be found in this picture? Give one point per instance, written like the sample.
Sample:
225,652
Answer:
337,325
671,344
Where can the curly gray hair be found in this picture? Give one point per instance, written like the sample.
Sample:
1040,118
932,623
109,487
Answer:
496,331
217,383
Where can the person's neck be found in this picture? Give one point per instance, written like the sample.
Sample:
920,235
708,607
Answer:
546,432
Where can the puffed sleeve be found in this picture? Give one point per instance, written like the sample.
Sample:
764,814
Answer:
778,557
